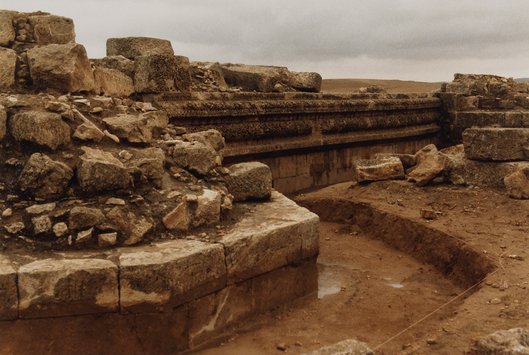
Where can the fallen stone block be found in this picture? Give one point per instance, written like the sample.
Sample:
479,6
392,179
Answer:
428,170
249,181
43,177
506,342
116,62
407,160
517,185
43,128
8,58
491,174
169,274
346,347
379,169
8,291
137,129
52,29
101,171
180,217
161,73
54,288
208,208
147,165
195,156
496,144
424,153
211,138
305,81
258,78
132,47
7,31
63,67
84,217
131,225
454,166
212,72
113,82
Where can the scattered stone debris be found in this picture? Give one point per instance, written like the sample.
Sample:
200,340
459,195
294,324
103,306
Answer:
505,342
346,347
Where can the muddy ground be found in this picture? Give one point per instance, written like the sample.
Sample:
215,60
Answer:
399,282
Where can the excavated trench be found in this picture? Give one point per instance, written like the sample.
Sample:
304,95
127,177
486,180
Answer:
385,278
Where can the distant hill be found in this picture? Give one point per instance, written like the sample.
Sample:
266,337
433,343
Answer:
521,79
392,86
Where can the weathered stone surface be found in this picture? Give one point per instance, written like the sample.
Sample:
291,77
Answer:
3,122
117,62
505,342
83,217
113,83
60,229
249,181
195,156
454,166
64,67
43,177
517,185
180,217
53,288
379,169
305,81
211,138
160,74
137,129
52,29
14,227
132,47
346,347
107,239
208,73
8,58
496,144
84,236
43,128
255,77
208,208
8,291
7,32
407,160
132,226
429,169
41,224
99,171
169,274
491,174
424,153
147,164
86,132
38,209
277,234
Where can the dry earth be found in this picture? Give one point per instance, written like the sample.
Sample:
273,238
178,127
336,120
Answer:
399,282
391,86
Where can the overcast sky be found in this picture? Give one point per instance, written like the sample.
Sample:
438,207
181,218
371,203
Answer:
424,40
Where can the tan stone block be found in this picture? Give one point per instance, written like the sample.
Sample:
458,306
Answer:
169,274
210,315
52,288
8,291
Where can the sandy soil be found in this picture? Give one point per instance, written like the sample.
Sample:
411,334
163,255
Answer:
399,282
391,86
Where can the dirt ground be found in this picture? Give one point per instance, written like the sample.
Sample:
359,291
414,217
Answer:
401,283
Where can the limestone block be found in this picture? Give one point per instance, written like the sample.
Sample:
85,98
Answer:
379,169
180,217
132,47
53,288
428,170
211,138
255,77
249,181
496,144
7,32
195,156
491,174
117,62
160,73
43,177
517,185
38,209
346,347
131,225
52,29
64,67
211,71
274,236
113,82
454,169
85,217
407,160
3,122
169,274
41,224
8,58
505,342
8,291
305,81
137,129
480,119
208,208
147,164
424,153
43,128
100,171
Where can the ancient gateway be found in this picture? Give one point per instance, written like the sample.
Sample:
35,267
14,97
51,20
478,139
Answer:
142,207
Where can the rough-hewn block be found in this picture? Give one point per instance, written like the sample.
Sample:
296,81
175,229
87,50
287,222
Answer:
496,144
278,233
379,169
8,291
114,83
52,29
8,58
491,174
169,274
43,128
132,47
52,288
161,73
